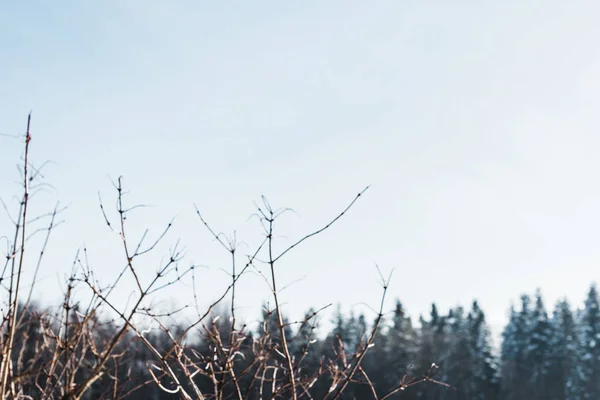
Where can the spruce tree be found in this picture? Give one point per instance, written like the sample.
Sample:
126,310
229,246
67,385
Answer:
432,352
590,346
353,334
456,362
538,351
304,346
484,383
400,348
564,363
513,352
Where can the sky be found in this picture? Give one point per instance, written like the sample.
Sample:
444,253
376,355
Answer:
475,123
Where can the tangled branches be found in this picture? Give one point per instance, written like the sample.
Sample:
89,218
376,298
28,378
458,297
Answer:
75,352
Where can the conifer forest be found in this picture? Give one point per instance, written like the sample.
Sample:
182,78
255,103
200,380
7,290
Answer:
543,354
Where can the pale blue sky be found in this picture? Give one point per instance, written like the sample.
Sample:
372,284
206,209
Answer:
475,122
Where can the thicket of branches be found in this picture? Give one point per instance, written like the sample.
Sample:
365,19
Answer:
93,347
75,352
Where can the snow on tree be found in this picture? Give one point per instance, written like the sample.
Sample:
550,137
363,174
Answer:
590,345
538,350
513,352
564,354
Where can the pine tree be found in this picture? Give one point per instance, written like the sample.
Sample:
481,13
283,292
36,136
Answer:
373,363
270,325
484,383
353,334
432,352
269,334
333,348
590,345
456,363
538,350
306,349
400,348
362,328
515,371
564,347
305,337
339,324
378,360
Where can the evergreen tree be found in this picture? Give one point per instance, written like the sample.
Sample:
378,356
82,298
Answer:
305,337
432,351
400,348
372,361
353,334
339,324
513,352
564,363
484,381
337,335
333,348
426,350
538,350
456,364
590,346
377,360
307,350
363,329
270,325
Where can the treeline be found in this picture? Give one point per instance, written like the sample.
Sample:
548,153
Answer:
541,356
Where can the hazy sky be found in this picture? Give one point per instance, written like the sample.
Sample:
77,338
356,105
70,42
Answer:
475,122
